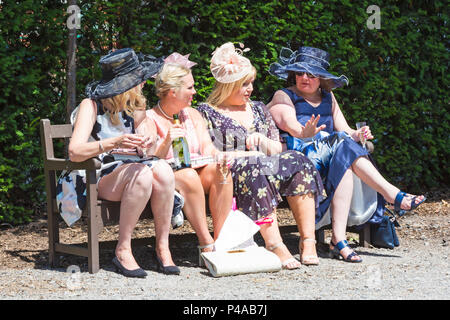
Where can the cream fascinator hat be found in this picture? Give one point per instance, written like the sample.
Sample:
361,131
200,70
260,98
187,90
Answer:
228,65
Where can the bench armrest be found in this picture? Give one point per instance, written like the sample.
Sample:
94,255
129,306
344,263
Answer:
64,164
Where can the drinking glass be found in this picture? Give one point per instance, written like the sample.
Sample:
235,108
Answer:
223,160
359,125
142,131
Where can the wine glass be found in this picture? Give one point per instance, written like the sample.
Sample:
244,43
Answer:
224,162
146,148
359,125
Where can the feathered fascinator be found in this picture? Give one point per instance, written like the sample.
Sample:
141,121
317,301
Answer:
179,59
228,64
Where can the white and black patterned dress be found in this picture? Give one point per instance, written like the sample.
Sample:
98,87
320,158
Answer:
71,188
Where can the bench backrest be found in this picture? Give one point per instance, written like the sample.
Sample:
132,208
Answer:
109,210
50,132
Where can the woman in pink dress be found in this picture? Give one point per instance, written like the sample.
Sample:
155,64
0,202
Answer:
175,89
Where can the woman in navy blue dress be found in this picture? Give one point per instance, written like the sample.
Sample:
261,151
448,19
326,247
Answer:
312,122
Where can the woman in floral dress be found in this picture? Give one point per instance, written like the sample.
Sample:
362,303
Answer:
261,172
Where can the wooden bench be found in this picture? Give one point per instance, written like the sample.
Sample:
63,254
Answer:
98,212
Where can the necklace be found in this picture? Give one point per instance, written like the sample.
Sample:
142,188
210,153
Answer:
162,111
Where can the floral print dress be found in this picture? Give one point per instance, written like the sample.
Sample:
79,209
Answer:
261,181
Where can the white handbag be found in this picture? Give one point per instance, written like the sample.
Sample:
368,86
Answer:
241,261
236,252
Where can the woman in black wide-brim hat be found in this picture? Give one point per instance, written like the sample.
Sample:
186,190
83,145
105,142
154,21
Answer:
105,121
312,122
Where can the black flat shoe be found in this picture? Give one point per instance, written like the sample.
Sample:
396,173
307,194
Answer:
137,273
165,269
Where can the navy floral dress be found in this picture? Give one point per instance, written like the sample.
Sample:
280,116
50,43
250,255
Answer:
261,181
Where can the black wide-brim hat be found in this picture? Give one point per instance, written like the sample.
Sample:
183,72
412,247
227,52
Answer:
306,59
122,70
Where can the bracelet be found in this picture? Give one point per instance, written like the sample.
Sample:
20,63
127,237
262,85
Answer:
101,146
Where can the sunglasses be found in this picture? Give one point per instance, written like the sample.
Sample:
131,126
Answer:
309,75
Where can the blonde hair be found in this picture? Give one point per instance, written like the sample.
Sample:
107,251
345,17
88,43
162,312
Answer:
222,91
170,77
129,101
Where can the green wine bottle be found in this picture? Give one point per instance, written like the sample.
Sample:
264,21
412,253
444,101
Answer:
180,149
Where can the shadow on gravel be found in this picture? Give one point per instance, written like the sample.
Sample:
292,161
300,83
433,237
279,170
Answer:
372,254
183,247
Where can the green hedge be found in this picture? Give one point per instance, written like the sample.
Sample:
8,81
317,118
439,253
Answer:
398,73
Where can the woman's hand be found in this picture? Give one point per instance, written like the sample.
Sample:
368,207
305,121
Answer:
129,141
255,140
149,141
176,131
310,129
364,131
147,147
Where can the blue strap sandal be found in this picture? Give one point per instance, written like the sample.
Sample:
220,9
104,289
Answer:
398,201
335,253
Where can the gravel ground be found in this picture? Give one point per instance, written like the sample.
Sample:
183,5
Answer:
418,269
391,275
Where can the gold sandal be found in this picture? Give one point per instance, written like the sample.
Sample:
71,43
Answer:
310,260
201,262
284,263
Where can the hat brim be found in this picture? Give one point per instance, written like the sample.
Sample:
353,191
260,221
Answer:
282,72
106,89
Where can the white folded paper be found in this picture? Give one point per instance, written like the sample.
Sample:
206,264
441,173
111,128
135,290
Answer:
237,232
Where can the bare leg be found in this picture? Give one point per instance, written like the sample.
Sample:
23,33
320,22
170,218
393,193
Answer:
132,185
220,195
188,183
367,172
340,207
162,206
272,237
304,211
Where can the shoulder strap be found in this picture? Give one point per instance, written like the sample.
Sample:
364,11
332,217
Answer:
326,95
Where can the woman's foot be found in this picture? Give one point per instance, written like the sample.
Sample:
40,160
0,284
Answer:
287,260
164,256
164,262
204,248
308,253
409,201
126,258
342,249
